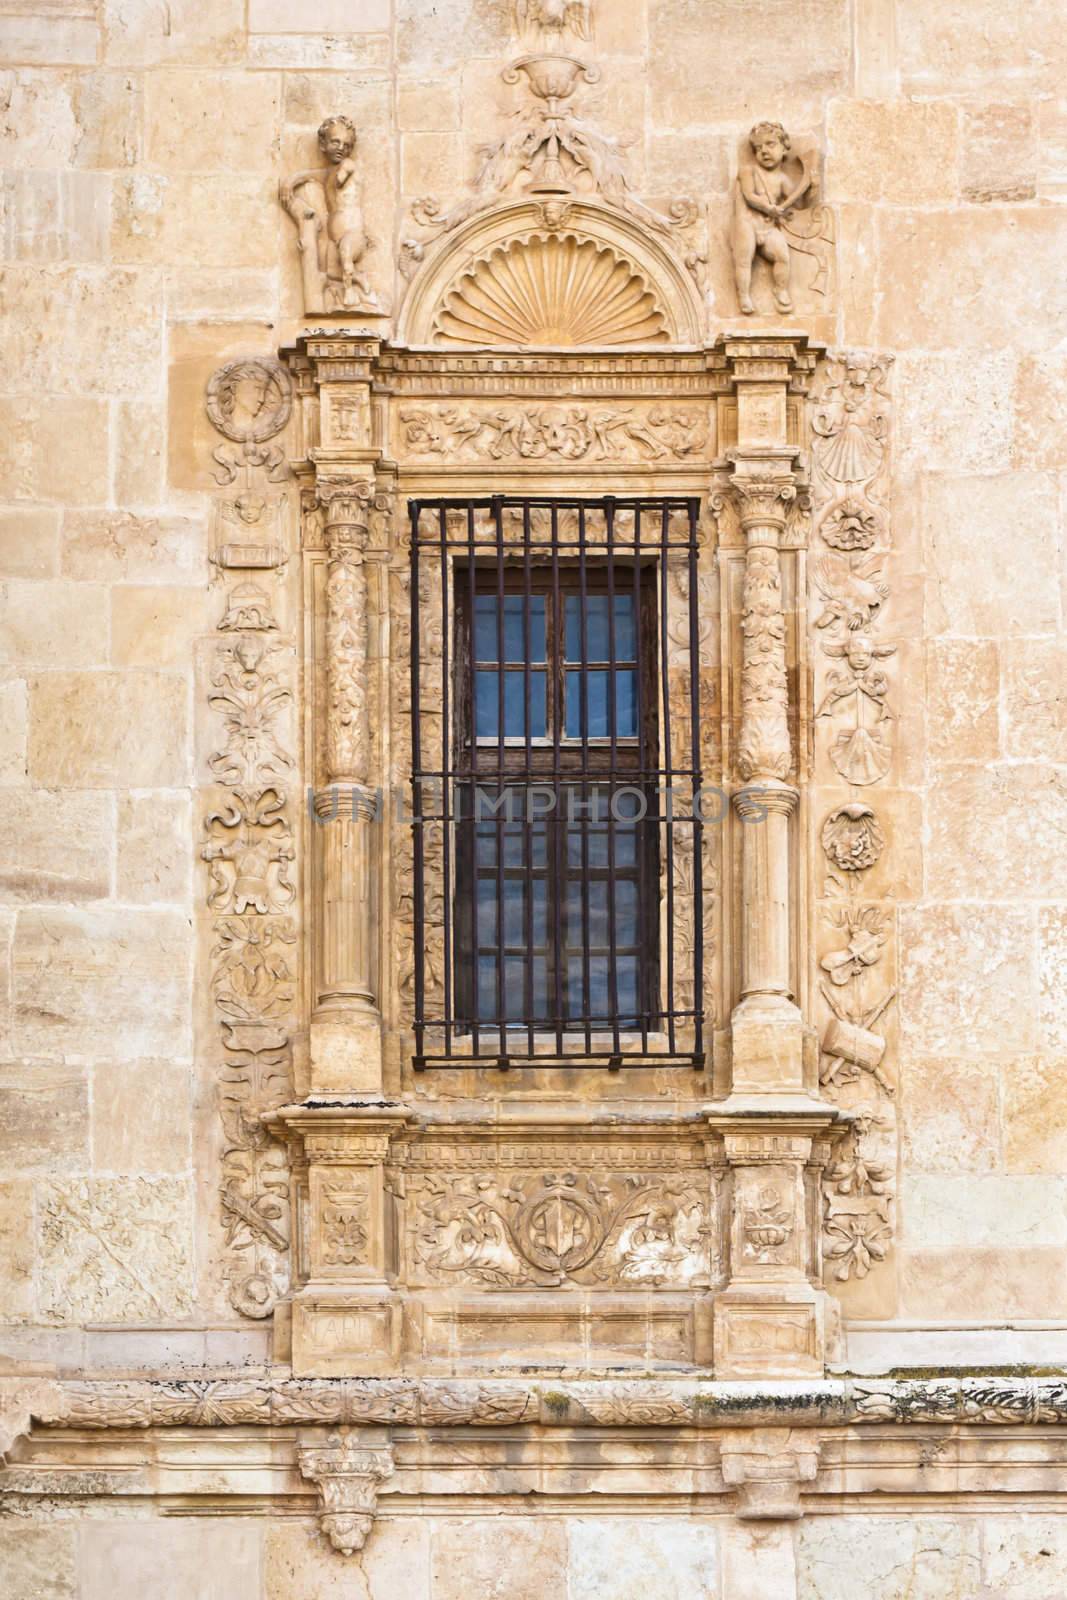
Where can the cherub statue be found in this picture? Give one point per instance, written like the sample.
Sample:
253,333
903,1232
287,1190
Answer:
326,203
769,186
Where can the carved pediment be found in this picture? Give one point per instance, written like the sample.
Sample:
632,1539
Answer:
562,275
551,289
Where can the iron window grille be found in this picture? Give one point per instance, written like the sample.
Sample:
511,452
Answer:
555,772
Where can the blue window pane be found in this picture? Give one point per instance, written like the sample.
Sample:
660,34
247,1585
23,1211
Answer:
487,930
626,704
626,985
486,987
597,644
597,681
487,633
487,704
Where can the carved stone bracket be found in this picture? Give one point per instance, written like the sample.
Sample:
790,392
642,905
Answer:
348,1475
767,1467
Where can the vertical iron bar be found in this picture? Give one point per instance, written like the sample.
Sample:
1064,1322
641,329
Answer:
501,806
698,779
472,598
558,876
583,683
643,830
669,766
446,780
416,794
527,828
613,977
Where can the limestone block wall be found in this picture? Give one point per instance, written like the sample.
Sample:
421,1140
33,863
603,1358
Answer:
143,247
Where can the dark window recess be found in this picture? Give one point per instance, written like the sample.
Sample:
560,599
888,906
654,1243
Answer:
549,818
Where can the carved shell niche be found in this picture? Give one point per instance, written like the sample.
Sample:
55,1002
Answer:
551,290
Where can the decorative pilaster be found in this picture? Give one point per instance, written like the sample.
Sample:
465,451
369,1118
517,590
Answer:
346,1025
770,1320
766,1024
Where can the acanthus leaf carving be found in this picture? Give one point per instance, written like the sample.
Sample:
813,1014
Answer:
348,1476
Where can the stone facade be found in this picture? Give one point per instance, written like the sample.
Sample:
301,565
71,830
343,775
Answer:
285,1310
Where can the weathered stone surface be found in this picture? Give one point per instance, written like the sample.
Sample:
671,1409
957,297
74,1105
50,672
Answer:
193,220
1021,1555
215,1559
963,523
996,258
101,983
116,546
113,318
999,153
300,1565
901,151
44,1117
974,1212
136,34
106,730
14,725
976,814
664,1556
1035,1114
29,542
524,1557
155,627
38,1562
114,1250
951,1115
55,846
52,624
963,699
154,851
1052,975
1035,699
925,1558
1023,1282
957,412
54,450
963,969
210,122
17,1255
142,1116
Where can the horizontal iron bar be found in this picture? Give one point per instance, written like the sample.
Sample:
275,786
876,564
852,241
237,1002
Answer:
694,1060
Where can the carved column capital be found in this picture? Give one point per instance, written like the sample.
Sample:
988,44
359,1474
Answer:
763,492
348,1475
767,1467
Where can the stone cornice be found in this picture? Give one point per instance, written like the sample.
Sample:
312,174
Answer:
273,1399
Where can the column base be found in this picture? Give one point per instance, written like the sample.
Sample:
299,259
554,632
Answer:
770,1330
346,1051
767,1033
341,1332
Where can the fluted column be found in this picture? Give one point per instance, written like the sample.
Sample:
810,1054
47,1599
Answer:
346,1022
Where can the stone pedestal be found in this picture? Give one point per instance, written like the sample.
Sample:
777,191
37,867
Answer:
347,1318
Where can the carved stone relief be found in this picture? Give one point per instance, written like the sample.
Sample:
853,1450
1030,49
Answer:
519,1228
555,433
855,719
249,846
326,206
778,216
348,1475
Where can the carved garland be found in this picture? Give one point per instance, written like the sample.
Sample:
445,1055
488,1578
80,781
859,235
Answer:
249,847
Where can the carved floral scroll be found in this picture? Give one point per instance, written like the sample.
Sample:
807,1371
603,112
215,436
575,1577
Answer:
855,724
249,847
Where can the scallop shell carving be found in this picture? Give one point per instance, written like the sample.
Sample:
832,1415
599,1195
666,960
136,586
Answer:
551,290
